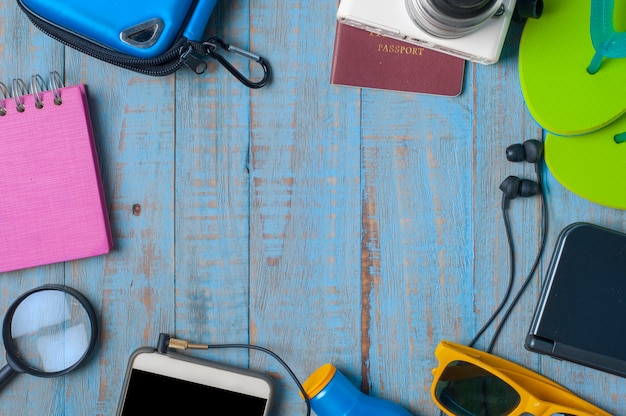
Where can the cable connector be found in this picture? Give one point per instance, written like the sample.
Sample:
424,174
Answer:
166,342
163,343
181,344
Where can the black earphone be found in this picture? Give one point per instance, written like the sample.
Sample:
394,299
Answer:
530,151
512,187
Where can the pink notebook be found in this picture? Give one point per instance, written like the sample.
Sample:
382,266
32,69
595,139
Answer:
52,206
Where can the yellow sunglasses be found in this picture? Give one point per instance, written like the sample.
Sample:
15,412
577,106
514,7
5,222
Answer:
470,382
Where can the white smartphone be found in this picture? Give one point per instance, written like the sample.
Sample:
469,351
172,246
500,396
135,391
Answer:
173,383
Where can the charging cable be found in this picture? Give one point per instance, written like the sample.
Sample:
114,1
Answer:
166,342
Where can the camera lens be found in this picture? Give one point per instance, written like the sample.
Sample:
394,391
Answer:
451,18
462,8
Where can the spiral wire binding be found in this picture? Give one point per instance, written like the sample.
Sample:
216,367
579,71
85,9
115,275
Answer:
56,83
5,96
18,91
37,88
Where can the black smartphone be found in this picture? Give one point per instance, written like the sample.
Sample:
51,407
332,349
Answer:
581,314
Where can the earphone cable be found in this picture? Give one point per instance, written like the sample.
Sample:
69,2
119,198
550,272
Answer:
531,273
533,270
509,237
277,358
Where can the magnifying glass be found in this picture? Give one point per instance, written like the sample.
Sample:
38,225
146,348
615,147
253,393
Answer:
48,332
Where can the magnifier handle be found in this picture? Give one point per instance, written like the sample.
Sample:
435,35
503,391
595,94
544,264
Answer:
6,373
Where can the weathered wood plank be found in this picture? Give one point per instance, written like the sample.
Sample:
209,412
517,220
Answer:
304,200
417,190
133,287
212,197
500,121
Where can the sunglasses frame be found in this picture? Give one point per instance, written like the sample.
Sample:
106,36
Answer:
539,396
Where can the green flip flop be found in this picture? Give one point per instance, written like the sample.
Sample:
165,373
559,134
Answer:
592,165
569,85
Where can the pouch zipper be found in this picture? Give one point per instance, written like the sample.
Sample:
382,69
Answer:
165,64
183,52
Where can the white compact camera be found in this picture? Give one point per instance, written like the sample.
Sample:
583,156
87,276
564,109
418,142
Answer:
470,29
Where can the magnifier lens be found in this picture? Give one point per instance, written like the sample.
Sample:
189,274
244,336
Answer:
50,331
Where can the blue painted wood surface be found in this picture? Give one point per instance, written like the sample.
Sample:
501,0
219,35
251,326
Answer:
329,224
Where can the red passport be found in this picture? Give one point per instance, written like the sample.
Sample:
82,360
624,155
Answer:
366,59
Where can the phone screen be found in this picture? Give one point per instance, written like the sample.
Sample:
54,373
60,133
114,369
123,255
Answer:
149,392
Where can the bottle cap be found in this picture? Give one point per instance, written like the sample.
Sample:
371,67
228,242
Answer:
319,379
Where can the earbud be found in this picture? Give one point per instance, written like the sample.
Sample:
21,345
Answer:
514,187
529,151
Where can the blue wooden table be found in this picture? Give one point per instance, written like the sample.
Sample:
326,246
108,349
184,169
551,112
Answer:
329,224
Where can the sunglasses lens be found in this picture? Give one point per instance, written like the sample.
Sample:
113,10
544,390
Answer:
468,390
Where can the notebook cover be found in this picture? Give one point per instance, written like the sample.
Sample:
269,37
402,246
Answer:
366,59
52,206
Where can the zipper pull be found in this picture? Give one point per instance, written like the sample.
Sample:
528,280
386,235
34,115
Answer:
193,61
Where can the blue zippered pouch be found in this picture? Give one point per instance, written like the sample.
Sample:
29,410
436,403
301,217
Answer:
153,37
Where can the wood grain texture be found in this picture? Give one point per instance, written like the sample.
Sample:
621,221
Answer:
304,200
329,224
133,287
212,204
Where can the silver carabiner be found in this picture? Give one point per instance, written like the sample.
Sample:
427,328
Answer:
211,46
